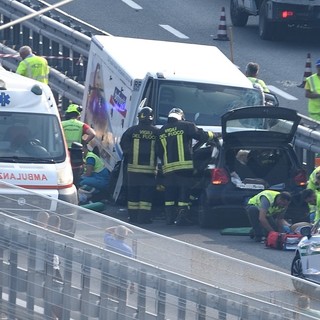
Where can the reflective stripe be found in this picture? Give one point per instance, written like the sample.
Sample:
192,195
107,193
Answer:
183,204
135,151
178,165
165,154
133,205
141,168
138,168
181,163
180,147
169,203
145,205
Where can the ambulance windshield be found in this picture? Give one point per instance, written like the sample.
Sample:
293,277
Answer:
37,137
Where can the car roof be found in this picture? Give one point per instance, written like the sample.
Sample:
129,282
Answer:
263,125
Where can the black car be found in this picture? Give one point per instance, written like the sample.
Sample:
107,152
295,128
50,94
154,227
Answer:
255,153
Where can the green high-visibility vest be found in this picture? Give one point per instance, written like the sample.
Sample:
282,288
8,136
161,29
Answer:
34,67
314,85
73,131
98,165
270,195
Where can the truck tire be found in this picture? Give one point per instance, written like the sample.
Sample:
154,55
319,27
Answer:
239,17
266,28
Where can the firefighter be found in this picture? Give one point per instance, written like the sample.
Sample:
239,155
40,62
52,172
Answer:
33,66
138,146
74,129
174,148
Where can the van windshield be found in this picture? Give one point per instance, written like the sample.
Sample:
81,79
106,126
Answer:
203,104
30,137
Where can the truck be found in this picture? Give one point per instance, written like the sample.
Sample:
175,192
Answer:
125,73
33,152
275,16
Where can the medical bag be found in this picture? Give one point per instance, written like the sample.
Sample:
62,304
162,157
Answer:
283,241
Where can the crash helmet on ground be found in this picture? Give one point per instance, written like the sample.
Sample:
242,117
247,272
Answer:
74,108
176,113
146,115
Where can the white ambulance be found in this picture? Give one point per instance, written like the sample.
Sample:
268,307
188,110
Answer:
33,151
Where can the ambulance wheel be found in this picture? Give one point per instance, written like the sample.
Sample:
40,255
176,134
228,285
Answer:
239,17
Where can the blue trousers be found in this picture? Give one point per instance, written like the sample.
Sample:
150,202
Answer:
98,180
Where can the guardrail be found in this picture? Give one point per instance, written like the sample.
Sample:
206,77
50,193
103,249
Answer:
64,40
166,279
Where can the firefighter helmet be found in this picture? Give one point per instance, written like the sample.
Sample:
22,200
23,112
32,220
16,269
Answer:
145,115
176,113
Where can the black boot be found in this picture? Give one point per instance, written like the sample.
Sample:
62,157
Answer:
133,216
170,215
183,218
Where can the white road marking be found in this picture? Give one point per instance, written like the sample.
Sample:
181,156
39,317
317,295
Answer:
174,31
132,4
282,93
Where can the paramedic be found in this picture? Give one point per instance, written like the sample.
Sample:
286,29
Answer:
314,184
74,129
138,146
252,71
174,148
312,92
33,66
95,174
266,212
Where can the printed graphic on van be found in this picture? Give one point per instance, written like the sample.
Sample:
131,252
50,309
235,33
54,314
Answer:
102,112
96,104
118,101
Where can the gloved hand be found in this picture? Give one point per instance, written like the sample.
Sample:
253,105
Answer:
286,229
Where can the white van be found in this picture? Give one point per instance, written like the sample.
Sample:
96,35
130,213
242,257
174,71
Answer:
33,150
123,72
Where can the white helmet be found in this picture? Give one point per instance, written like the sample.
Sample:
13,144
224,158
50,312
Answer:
176,113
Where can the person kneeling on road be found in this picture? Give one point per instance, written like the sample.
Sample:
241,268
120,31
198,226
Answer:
95,177
266,212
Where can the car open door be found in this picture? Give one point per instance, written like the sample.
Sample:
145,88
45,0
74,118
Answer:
264,124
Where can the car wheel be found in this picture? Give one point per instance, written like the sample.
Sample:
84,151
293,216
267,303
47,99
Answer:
266,28
297,271
239,17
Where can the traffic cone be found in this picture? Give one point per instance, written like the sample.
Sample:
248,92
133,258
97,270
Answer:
307,71
222,31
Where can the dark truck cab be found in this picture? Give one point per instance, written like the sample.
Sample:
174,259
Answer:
276,15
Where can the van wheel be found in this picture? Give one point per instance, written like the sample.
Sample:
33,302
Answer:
266,28
239,17
296,271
